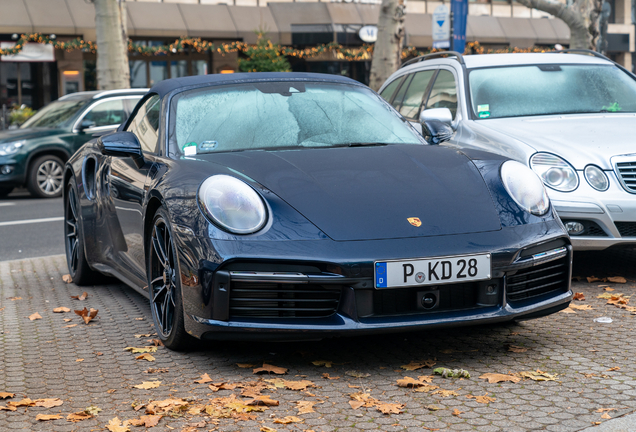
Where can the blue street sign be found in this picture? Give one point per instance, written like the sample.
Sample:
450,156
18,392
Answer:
460,15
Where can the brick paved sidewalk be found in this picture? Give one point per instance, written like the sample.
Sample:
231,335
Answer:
40,359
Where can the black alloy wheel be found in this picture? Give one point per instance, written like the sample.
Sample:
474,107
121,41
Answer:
46,177
164,285
76,260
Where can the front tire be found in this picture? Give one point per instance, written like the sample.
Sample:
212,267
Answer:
76,260
46,177
164,285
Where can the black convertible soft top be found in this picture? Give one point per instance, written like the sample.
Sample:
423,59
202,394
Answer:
166,86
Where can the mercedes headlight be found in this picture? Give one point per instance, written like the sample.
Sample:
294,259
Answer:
555,172
232,204
596,178
10,148
525,187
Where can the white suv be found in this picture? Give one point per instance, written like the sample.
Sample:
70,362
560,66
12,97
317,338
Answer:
570,117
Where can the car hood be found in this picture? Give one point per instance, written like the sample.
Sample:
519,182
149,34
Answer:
580,139
366,193
28,134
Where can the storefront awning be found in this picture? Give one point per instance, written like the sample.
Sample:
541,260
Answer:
278,20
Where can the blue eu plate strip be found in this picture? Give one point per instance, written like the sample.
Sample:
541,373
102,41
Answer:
380,275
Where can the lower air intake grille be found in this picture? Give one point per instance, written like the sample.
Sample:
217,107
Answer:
273,300
627,229
538,280
627,173
401,301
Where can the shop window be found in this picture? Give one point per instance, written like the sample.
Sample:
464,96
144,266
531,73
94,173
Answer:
158,72
178,69
138,73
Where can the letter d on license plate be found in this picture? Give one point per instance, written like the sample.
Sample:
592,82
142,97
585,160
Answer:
432,271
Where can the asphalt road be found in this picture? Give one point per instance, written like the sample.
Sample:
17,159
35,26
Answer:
30,227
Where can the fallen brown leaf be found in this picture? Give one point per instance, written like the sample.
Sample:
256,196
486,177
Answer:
48,403
114,425
81,297
416,365
538,375
61,309
78,416
600,410
87,315
288,420
568,310
140,350
445,393
245,365
145,356
67,278
79,360
267,429
615,368
155,370
482,399
270,369
578,296
14,298
67,319
617,279
47,417
299,385
265,400
205,378
390,408
608,289
150,420
581,307
35,316
148,385
5,395
324,363
305,407
326,376
26,402
457,412
606,416
356,404
70,325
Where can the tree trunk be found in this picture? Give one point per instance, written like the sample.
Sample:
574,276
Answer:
388,47
112,45
582,17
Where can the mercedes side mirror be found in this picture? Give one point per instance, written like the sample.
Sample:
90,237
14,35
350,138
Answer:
436,125
122,144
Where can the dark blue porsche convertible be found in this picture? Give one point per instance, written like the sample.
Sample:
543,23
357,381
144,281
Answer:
288,206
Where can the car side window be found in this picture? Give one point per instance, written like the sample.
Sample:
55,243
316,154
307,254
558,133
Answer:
108,113
389,90
415,93
145,125
444,92
397,101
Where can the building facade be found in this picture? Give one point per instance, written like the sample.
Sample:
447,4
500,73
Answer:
43,77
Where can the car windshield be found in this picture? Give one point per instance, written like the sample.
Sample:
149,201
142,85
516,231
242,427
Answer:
277,115
550,89
56,114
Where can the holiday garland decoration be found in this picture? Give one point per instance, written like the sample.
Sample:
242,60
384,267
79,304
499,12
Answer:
185,44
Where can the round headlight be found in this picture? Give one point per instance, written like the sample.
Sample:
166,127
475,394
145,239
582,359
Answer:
525,187
596,178
555,172
232,204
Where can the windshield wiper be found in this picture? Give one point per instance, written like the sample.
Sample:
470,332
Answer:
365,144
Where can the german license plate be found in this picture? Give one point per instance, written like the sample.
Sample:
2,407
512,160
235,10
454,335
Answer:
432,271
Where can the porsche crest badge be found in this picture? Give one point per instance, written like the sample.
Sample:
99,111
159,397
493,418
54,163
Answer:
415,221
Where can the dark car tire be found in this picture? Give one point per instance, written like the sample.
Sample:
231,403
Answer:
45,178
164,285
78,267
5,190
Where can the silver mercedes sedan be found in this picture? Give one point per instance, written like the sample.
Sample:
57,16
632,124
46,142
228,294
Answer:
570,116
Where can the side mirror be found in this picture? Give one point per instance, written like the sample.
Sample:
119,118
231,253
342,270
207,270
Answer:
436,125
86,124
122,144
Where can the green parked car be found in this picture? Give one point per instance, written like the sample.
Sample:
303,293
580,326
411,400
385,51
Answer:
34,155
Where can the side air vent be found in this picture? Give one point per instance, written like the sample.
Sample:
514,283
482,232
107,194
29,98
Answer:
538,280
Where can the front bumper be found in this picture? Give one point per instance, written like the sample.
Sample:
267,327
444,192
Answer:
609,217
16,176
316,289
